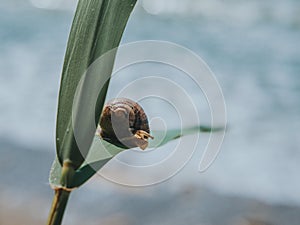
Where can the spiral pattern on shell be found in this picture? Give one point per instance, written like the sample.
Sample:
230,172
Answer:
124,123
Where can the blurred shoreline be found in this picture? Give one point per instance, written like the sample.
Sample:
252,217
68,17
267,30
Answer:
253,49
25,198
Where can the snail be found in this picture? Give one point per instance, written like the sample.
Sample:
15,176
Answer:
124,123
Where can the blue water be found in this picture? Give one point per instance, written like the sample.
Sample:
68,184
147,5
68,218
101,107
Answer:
252,47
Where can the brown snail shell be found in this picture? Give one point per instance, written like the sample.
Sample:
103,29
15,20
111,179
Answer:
124,123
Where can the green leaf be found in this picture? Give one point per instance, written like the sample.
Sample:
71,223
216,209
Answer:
101,152
97,28
163,137
55,174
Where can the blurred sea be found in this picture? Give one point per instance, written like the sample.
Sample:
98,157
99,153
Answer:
251,46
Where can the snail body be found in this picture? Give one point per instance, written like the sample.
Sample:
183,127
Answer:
124,123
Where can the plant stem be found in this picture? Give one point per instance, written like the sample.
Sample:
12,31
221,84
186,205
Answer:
58,206
61,196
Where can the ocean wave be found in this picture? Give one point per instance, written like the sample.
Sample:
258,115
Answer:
233,11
